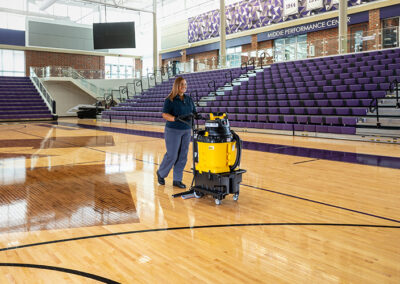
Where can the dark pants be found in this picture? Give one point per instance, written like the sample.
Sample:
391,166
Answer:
177,142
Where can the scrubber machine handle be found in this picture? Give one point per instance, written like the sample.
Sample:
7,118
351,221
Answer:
239,151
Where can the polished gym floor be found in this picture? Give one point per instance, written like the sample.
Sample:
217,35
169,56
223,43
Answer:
80,203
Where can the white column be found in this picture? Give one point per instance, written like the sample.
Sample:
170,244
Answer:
155,49
342,26
222,33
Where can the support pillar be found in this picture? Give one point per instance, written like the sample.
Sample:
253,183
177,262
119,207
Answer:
222,33
342,26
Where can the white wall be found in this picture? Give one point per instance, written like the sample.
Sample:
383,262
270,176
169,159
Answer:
110,83
174,34
67,95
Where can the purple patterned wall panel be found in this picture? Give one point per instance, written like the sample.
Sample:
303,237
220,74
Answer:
250,14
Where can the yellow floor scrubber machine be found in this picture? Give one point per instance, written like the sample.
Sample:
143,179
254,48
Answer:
217,153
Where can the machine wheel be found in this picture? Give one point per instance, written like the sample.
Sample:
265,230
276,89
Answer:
236,196
217,201
198,194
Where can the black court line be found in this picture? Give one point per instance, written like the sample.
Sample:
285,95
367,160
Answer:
322,203
199,227
60,269
259,188
313,160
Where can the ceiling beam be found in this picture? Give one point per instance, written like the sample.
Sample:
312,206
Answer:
116,6
46,4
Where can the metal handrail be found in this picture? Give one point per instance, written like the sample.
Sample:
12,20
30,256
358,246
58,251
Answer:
151,76
244,64
213,85
373,108
139,84
252,62
123,90
228,76
394,86
51,103
262,57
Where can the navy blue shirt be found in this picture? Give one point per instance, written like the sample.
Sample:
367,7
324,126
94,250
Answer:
178,107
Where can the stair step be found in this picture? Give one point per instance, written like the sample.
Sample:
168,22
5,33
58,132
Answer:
386,111
379,132
371,121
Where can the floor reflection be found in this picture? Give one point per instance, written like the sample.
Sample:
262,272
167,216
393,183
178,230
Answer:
12,171
66,197
59,142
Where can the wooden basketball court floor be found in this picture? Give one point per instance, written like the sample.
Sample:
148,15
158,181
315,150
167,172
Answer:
80,203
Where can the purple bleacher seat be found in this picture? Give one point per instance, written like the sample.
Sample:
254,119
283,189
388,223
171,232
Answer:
316,119
273,118
319,96
334,129
348,130
370,87
380,67
332,120
289,118
313,110
309,103
359,111
283,103
294,103
341,88
321,128
322,103
309,128
328,88
378,94
355,87
343,111
358,74
386,73
352,102
361,94
285,110
327,111
272,103
251,117
273,110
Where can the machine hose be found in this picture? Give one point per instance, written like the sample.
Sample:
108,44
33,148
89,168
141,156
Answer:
239,150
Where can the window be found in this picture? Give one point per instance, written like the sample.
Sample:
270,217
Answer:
291,48
119,67
390,32
233,56
12,63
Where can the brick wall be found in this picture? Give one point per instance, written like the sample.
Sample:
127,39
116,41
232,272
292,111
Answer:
374,20
76,61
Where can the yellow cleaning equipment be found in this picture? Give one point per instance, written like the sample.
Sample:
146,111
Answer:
217,153
216,150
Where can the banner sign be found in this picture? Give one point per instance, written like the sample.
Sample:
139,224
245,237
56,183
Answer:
290,7
314,4
312,27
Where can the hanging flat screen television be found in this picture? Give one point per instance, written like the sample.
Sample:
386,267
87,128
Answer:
114,35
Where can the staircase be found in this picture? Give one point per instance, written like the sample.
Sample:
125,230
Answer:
20,100
383,121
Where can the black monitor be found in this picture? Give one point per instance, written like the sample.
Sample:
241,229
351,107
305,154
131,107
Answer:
114,35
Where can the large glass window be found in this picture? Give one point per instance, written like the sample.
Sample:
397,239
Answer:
390,32
12,63
119,67
233,56
291,48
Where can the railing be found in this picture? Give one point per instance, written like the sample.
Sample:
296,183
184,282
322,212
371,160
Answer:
356,42
394,86
213,86
51,103
229,77
69,72
374,106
